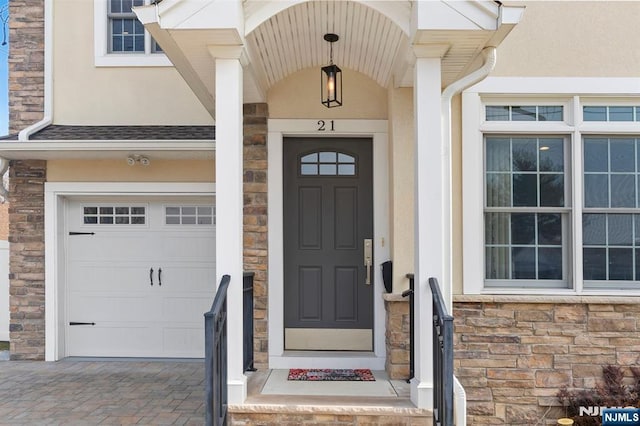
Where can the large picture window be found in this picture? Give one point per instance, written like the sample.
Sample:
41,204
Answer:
551,189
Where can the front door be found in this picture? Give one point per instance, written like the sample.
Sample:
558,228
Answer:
328,220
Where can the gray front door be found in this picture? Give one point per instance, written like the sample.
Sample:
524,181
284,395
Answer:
328,215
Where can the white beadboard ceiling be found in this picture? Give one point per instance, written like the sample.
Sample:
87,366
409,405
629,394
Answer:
293,40
373,40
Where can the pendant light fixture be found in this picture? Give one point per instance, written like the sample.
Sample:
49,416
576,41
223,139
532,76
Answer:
331,78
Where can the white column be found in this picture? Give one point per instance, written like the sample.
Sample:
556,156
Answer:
430,199
229,201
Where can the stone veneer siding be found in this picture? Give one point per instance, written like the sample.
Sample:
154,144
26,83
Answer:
26,259
26,63
255,222
513,354
397,336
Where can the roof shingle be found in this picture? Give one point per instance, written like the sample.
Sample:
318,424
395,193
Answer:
110,133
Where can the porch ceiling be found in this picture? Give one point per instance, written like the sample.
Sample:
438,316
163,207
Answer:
285,37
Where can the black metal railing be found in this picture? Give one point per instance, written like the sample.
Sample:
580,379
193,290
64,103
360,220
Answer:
442,359
247,321
412,337
215,353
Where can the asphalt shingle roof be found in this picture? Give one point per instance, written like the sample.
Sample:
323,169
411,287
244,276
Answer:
110,133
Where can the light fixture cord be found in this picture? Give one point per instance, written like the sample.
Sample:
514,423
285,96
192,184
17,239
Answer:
331,53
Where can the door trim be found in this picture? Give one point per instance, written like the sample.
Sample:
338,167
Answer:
55,205
278,130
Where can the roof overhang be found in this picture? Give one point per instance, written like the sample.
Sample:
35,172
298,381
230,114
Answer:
282,37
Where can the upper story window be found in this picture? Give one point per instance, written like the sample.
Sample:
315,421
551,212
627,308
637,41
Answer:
121,39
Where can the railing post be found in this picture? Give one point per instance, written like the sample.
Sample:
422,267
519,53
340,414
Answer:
442,359
412,337
215,340
247,306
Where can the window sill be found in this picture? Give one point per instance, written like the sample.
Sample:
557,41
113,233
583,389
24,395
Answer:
535,298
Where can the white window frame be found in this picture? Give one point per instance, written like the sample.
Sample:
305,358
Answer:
573,94
102,56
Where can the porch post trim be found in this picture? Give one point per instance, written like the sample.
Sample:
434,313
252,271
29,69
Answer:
229,212
430,216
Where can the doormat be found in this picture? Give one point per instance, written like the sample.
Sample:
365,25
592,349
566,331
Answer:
331,375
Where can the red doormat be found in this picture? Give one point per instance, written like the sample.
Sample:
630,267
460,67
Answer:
331,375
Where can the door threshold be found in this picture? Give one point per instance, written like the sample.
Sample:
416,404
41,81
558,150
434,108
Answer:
327,359
329,354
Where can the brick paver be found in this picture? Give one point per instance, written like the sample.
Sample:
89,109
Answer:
101,393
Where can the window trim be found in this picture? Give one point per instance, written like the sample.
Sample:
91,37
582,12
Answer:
572,92
102,56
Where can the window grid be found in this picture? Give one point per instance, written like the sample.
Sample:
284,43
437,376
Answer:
611,223
126,32
190,215
328,163
610,113
597,252
523,255
524,113
114,215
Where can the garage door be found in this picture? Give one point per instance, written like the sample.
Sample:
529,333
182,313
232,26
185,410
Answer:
140,276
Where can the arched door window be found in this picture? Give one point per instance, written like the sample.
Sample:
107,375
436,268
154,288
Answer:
327,163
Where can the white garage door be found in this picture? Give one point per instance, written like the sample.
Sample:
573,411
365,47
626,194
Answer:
140,276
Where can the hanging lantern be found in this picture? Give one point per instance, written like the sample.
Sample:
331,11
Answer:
331,78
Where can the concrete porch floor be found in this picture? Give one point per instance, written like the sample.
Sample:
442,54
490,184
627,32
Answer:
273,400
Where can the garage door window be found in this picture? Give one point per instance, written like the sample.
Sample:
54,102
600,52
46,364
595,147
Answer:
114,215
190,215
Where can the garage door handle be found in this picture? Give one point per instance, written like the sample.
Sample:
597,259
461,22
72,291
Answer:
151,276
82,323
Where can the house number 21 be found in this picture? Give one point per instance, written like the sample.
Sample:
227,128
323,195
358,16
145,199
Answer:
322,126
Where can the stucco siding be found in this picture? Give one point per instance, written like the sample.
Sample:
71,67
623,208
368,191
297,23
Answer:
298,96
86,94
573,38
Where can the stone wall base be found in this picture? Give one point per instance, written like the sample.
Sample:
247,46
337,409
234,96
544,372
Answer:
512,357
397,336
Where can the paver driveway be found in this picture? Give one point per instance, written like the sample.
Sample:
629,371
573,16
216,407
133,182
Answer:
74,392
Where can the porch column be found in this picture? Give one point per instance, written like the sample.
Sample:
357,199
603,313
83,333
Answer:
430,206
229,201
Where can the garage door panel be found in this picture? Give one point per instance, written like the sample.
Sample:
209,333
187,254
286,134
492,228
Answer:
116,248
188,247
104,307
132,340
179,309
184,342
196,277
96,277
